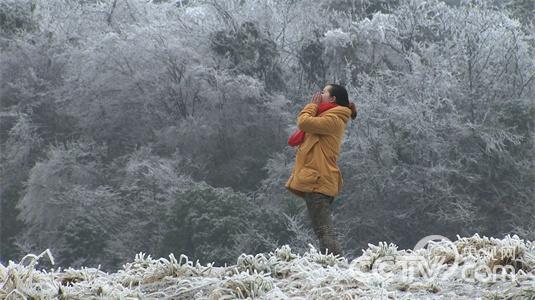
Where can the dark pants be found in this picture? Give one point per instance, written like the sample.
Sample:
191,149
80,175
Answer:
320,215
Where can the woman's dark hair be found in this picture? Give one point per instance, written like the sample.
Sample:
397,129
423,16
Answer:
340,93
342,98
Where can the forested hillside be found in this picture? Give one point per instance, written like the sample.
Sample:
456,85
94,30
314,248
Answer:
160,127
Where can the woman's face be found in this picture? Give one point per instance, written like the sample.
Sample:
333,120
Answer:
326,95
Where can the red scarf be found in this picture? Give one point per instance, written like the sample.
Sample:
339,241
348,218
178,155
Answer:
298,136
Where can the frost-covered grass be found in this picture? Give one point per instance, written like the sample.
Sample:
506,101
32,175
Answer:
459,270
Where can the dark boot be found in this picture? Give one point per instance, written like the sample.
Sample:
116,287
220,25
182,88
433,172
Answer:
320,215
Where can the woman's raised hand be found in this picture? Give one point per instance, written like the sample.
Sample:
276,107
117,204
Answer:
316,99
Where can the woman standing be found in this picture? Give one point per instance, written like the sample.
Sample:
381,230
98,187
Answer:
315,176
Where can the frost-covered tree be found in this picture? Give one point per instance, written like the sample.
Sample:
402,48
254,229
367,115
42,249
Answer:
147,185
21,148
444,121
250,53
63,192
203,223
16,17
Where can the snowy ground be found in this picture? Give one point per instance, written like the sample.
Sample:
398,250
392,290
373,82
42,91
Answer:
469,268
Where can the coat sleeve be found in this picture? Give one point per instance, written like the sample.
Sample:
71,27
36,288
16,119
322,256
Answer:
307,121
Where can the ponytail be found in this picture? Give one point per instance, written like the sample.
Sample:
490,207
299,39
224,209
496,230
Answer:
353,108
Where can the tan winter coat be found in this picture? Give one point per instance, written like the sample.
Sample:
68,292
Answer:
315,168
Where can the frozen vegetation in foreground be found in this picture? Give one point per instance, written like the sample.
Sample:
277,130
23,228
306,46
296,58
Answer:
468,268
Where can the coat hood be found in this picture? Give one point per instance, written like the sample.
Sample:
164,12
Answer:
343,112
